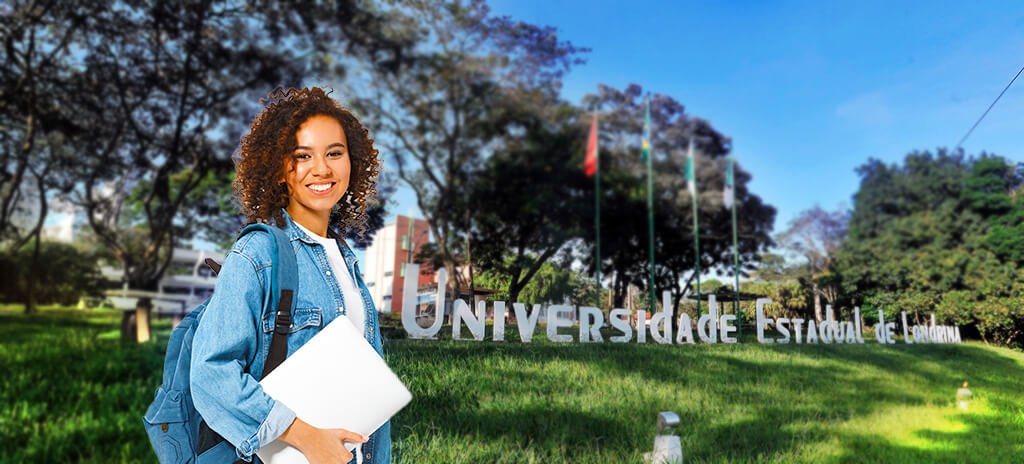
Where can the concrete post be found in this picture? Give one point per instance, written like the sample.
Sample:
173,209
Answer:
667,448
142,309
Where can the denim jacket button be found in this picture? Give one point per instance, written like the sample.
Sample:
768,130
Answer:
328,272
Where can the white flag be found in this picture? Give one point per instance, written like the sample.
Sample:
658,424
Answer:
691,173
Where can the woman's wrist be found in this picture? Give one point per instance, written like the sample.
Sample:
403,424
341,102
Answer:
297,433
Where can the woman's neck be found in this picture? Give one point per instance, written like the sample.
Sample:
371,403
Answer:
313,221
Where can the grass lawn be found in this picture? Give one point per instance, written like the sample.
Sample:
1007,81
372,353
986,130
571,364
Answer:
72,392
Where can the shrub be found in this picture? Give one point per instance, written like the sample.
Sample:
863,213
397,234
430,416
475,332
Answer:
61,274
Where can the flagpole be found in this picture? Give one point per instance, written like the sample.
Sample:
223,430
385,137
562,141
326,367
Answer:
597,215
735,248
650,196
696,231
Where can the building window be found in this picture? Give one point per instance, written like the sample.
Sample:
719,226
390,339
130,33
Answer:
388,274
405,242
403,270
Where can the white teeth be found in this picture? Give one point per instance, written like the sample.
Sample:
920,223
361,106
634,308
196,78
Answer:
319,187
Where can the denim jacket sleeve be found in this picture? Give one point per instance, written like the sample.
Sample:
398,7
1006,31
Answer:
231,400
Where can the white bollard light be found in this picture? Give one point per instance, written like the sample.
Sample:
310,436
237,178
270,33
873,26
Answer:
667,448
963,397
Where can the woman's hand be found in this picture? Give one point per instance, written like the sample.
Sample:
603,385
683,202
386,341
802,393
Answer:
321,445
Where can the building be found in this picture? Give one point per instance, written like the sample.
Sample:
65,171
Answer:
186,283
394,245
65,229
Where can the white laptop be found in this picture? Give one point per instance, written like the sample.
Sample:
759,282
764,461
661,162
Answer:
336,380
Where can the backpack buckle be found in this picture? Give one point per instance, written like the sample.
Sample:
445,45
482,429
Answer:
283,322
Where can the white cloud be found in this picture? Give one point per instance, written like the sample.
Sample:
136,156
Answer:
868,108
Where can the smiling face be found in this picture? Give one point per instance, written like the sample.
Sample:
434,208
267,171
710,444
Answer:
318,172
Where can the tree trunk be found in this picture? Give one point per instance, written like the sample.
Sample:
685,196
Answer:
513,295
618,291
449,264
675,313
469,262
456,289
9,192
30,294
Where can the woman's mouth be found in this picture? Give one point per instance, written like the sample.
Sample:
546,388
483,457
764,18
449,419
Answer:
321,188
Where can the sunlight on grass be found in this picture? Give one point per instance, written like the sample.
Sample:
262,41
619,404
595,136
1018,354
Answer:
931,433
78,394
902,426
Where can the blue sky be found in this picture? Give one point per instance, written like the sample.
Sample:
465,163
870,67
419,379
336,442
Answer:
807,91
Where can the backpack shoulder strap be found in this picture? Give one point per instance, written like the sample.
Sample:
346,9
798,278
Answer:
283,286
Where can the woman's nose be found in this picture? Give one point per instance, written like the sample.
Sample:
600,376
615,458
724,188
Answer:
320,167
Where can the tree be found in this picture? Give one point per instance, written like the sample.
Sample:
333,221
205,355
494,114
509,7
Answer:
921,239
34,119
773,267
789,298
454,99
37,63
992,190
815,235
67,274
552,283
526,199
163,84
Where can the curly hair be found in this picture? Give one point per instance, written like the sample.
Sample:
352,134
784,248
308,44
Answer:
263,159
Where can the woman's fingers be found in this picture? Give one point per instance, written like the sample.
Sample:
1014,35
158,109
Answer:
351,437
321,445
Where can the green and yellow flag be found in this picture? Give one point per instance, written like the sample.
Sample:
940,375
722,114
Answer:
645,139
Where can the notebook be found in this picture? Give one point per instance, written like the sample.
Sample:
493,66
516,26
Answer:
335,380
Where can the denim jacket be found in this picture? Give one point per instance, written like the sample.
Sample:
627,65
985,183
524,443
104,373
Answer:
232,341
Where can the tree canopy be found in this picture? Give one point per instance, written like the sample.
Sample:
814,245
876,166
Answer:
461,94
939,232
153,95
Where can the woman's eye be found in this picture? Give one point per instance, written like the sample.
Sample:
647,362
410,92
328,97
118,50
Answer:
300,156
336,154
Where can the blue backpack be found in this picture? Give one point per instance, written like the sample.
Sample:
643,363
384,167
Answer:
176,430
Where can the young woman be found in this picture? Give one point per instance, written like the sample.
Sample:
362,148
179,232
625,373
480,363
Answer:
308,166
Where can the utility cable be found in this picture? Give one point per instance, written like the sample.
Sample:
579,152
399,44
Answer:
968,134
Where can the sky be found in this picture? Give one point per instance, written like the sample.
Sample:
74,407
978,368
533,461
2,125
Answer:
808,91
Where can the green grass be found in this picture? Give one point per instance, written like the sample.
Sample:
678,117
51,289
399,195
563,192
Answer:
72,392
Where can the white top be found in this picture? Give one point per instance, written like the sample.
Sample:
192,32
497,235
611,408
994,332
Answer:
353,301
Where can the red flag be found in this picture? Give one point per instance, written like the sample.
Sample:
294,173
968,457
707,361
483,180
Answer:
590,164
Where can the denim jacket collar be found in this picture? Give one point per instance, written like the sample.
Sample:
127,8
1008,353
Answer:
295,233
